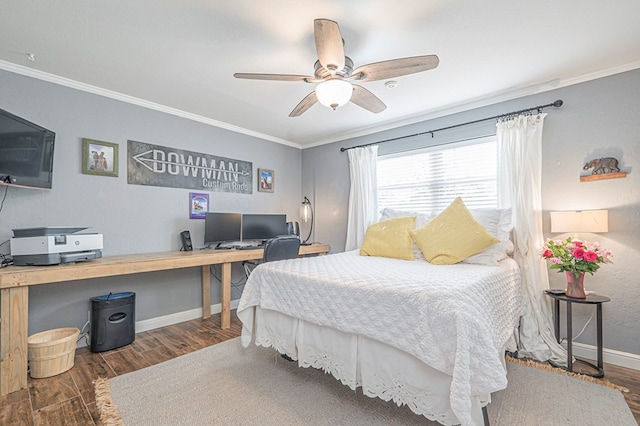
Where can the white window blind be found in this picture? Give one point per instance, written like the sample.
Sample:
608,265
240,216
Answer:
428,180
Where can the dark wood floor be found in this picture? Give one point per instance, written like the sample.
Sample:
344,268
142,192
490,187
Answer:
68,399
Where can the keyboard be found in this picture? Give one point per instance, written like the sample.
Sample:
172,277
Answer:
229,245
240,245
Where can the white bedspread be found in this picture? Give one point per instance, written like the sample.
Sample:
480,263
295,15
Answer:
456,318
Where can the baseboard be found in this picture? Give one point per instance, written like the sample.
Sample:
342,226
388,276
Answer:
609,356
165,320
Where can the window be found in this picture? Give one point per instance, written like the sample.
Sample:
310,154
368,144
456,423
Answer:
429,179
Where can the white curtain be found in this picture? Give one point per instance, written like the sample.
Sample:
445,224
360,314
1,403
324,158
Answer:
363,197
520,174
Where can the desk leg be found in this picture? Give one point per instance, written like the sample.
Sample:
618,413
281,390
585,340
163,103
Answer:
225,296
569,337
14,324
206,292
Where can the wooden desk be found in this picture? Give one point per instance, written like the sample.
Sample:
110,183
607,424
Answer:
16,280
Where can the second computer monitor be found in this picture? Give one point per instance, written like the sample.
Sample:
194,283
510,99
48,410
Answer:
263,226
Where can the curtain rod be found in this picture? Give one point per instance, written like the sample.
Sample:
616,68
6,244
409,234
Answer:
539,108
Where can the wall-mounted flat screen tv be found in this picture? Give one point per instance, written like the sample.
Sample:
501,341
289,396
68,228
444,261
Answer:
26,152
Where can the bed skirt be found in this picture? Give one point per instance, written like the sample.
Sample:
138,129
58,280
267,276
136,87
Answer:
381,370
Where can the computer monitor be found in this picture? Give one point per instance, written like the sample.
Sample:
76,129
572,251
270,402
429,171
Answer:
263,226
222,227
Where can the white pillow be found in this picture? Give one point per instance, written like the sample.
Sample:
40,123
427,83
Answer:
498,223
421,220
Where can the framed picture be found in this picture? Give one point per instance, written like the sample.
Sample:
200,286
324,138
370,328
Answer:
198,205
265,180
99,158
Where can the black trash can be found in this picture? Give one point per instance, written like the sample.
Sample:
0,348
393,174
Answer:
113,321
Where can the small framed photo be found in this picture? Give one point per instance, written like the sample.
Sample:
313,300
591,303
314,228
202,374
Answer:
99,158
265,180
198,205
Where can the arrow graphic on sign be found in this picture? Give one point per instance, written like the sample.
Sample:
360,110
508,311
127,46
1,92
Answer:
148,162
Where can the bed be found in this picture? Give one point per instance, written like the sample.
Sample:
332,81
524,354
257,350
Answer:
431,337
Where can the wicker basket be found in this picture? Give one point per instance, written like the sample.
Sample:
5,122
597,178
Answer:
52,352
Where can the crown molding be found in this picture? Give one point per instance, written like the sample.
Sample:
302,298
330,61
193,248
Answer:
73,84
365,131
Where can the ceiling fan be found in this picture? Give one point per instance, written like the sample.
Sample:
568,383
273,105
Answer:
334,73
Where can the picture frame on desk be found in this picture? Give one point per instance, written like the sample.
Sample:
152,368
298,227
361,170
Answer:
265,180
99,158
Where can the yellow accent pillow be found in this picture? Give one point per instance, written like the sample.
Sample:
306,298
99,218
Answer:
452,236
389,238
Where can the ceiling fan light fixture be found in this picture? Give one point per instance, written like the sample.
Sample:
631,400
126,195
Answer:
334,72
334,93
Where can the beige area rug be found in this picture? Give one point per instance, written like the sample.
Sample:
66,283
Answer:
226,384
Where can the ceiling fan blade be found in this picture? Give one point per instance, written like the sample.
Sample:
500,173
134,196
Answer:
329,44
367,100
278,77
304,104
395,68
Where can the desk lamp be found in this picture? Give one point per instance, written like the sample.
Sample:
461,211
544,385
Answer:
306,214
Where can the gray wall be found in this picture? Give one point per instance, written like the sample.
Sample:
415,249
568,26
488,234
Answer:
132,218
599,118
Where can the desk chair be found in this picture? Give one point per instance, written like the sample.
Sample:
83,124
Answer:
277,248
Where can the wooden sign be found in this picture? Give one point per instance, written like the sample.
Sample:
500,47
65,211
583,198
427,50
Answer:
156,165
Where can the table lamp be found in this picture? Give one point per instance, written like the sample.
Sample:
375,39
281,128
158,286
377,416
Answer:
580,221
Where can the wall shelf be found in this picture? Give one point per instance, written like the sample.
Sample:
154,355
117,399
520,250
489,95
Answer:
601,176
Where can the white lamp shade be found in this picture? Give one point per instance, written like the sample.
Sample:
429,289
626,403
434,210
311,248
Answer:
334,93
580,221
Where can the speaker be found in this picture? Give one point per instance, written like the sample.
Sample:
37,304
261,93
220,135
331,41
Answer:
185,237
293,228
113,321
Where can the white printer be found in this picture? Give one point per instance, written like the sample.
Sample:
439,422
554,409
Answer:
53,245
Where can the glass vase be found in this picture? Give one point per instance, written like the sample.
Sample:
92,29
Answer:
575,285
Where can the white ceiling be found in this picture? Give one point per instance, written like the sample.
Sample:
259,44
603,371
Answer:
179,56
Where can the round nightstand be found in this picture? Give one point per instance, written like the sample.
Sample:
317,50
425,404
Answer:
591,299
